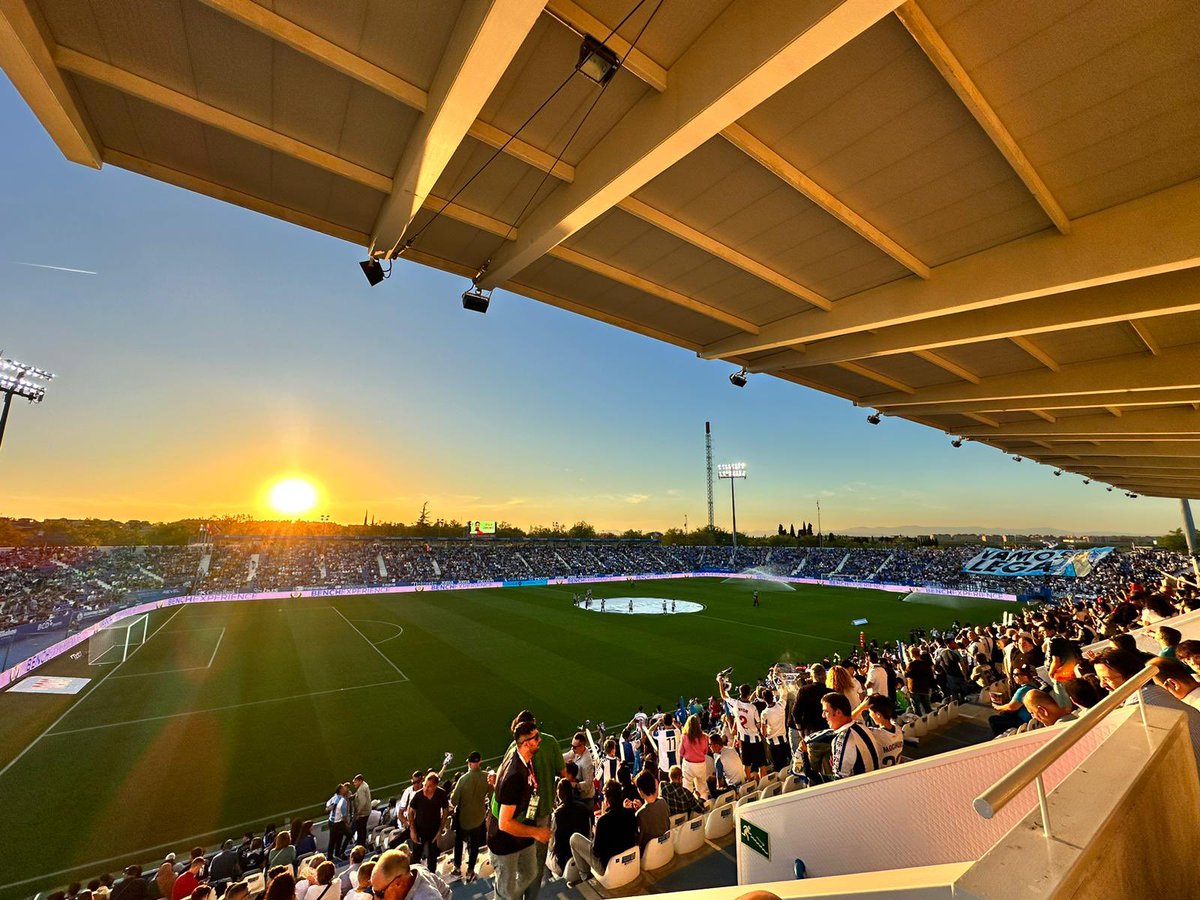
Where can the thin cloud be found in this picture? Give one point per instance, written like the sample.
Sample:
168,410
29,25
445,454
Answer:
637,498
56,268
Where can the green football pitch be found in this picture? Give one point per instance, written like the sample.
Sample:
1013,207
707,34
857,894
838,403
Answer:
231,715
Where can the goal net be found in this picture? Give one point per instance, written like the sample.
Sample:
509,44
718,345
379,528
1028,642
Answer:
115,643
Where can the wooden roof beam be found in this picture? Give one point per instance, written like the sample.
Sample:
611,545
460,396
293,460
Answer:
1129,375
1166,423
790,175
486,38
1144,335
1106,401
749,53
126,82
312,45
1148,236
697,238
964,86
879,377
27,50
1181,449
1163,295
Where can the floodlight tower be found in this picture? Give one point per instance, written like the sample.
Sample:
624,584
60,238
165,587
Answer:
20,380
708,462
732,471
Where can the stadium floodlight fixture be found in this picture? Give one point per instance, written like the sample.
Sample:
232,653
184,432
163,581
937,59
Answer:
597,61
1016,459
26,390
732,471
956,443
20,380
1057,473
738,378
1131,495
22,370
874,418
1109,488
1087,481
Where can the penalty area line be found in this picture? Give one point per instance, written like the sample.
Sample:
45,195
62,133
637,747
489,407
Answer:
399,628
382,655
196,712
83,697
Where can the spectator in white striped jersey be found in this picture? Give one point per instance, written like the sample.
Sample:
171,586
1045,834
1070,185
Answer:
667,739
853,750
774,726
746,723
609,763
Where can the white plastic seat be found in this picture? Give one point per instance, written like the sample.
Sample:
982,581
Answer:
689,837
719,822
793,783
678,820
774,789
256,883
622,869
659,852
484,868
748,798
748,788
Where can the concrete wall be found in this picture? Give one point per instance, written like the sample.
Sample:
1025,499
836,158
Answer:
1125,824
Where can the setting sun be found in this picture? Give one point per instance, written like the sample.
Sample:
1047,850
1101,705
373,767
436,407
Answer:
293,496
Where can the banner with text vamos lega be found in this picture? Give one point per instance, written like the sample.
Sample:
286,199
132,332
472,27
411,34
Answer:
1064,563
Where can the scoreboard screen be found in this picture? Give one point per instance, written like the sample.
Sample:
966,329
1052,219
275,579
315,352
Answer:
481,528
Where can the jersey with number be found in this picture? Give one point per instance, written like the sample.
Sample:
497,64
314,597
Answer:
853,751
774,722
609,766
667,740
745,714
889,743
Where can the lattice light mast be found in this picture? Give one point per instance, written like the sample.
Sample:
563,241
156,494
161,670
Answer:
732,471
20,380
709,464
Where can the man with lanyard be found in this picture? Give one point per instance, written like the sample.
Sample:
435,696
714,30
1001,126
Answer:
746,721
512,830
853,751
548,764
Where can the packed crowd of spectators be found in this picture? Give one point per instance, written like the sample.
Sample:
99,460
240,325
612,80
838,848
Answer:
40,583
567,811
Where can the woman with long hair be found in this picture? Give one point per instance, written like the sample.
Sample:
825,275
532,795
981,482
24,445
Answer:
694,754
283,853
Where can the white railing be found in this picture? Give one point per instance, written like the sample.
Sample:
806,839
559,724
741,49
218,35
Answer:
1007,788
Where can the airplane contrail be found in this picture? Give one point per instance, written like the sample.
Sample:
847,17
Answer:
57,268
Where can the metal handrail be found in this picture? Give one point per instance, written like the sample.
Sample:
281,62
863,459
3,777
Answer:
1003,791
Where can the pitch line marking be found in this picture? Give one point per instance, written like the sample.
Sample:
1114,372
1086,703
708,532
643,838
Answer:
220,638
382,655
816,637
399,628
195,837
83,697
196,712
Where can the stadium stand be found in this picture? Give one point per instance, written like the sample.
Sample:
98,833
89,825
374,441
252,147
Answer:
1065,642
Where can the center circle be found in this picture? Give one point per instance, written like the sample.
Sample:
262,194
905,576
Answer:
640,606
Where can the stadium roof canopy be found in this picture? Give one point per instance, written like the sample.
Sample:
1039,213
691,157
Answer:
979,217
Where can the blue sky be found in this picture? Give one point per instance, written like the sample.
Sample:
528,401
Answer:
217,350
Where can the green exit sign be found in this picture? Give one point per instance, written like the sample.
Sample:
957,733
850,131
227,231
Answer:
755,838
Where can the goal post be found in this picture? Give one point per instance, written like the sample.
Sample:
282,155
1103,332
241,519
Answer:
115,643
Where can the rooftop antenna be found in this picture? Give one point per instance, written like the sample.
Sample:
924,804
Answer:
709,463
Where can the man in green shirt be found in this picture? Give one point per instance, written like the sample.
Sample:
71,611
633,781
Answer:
548,765
470,799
